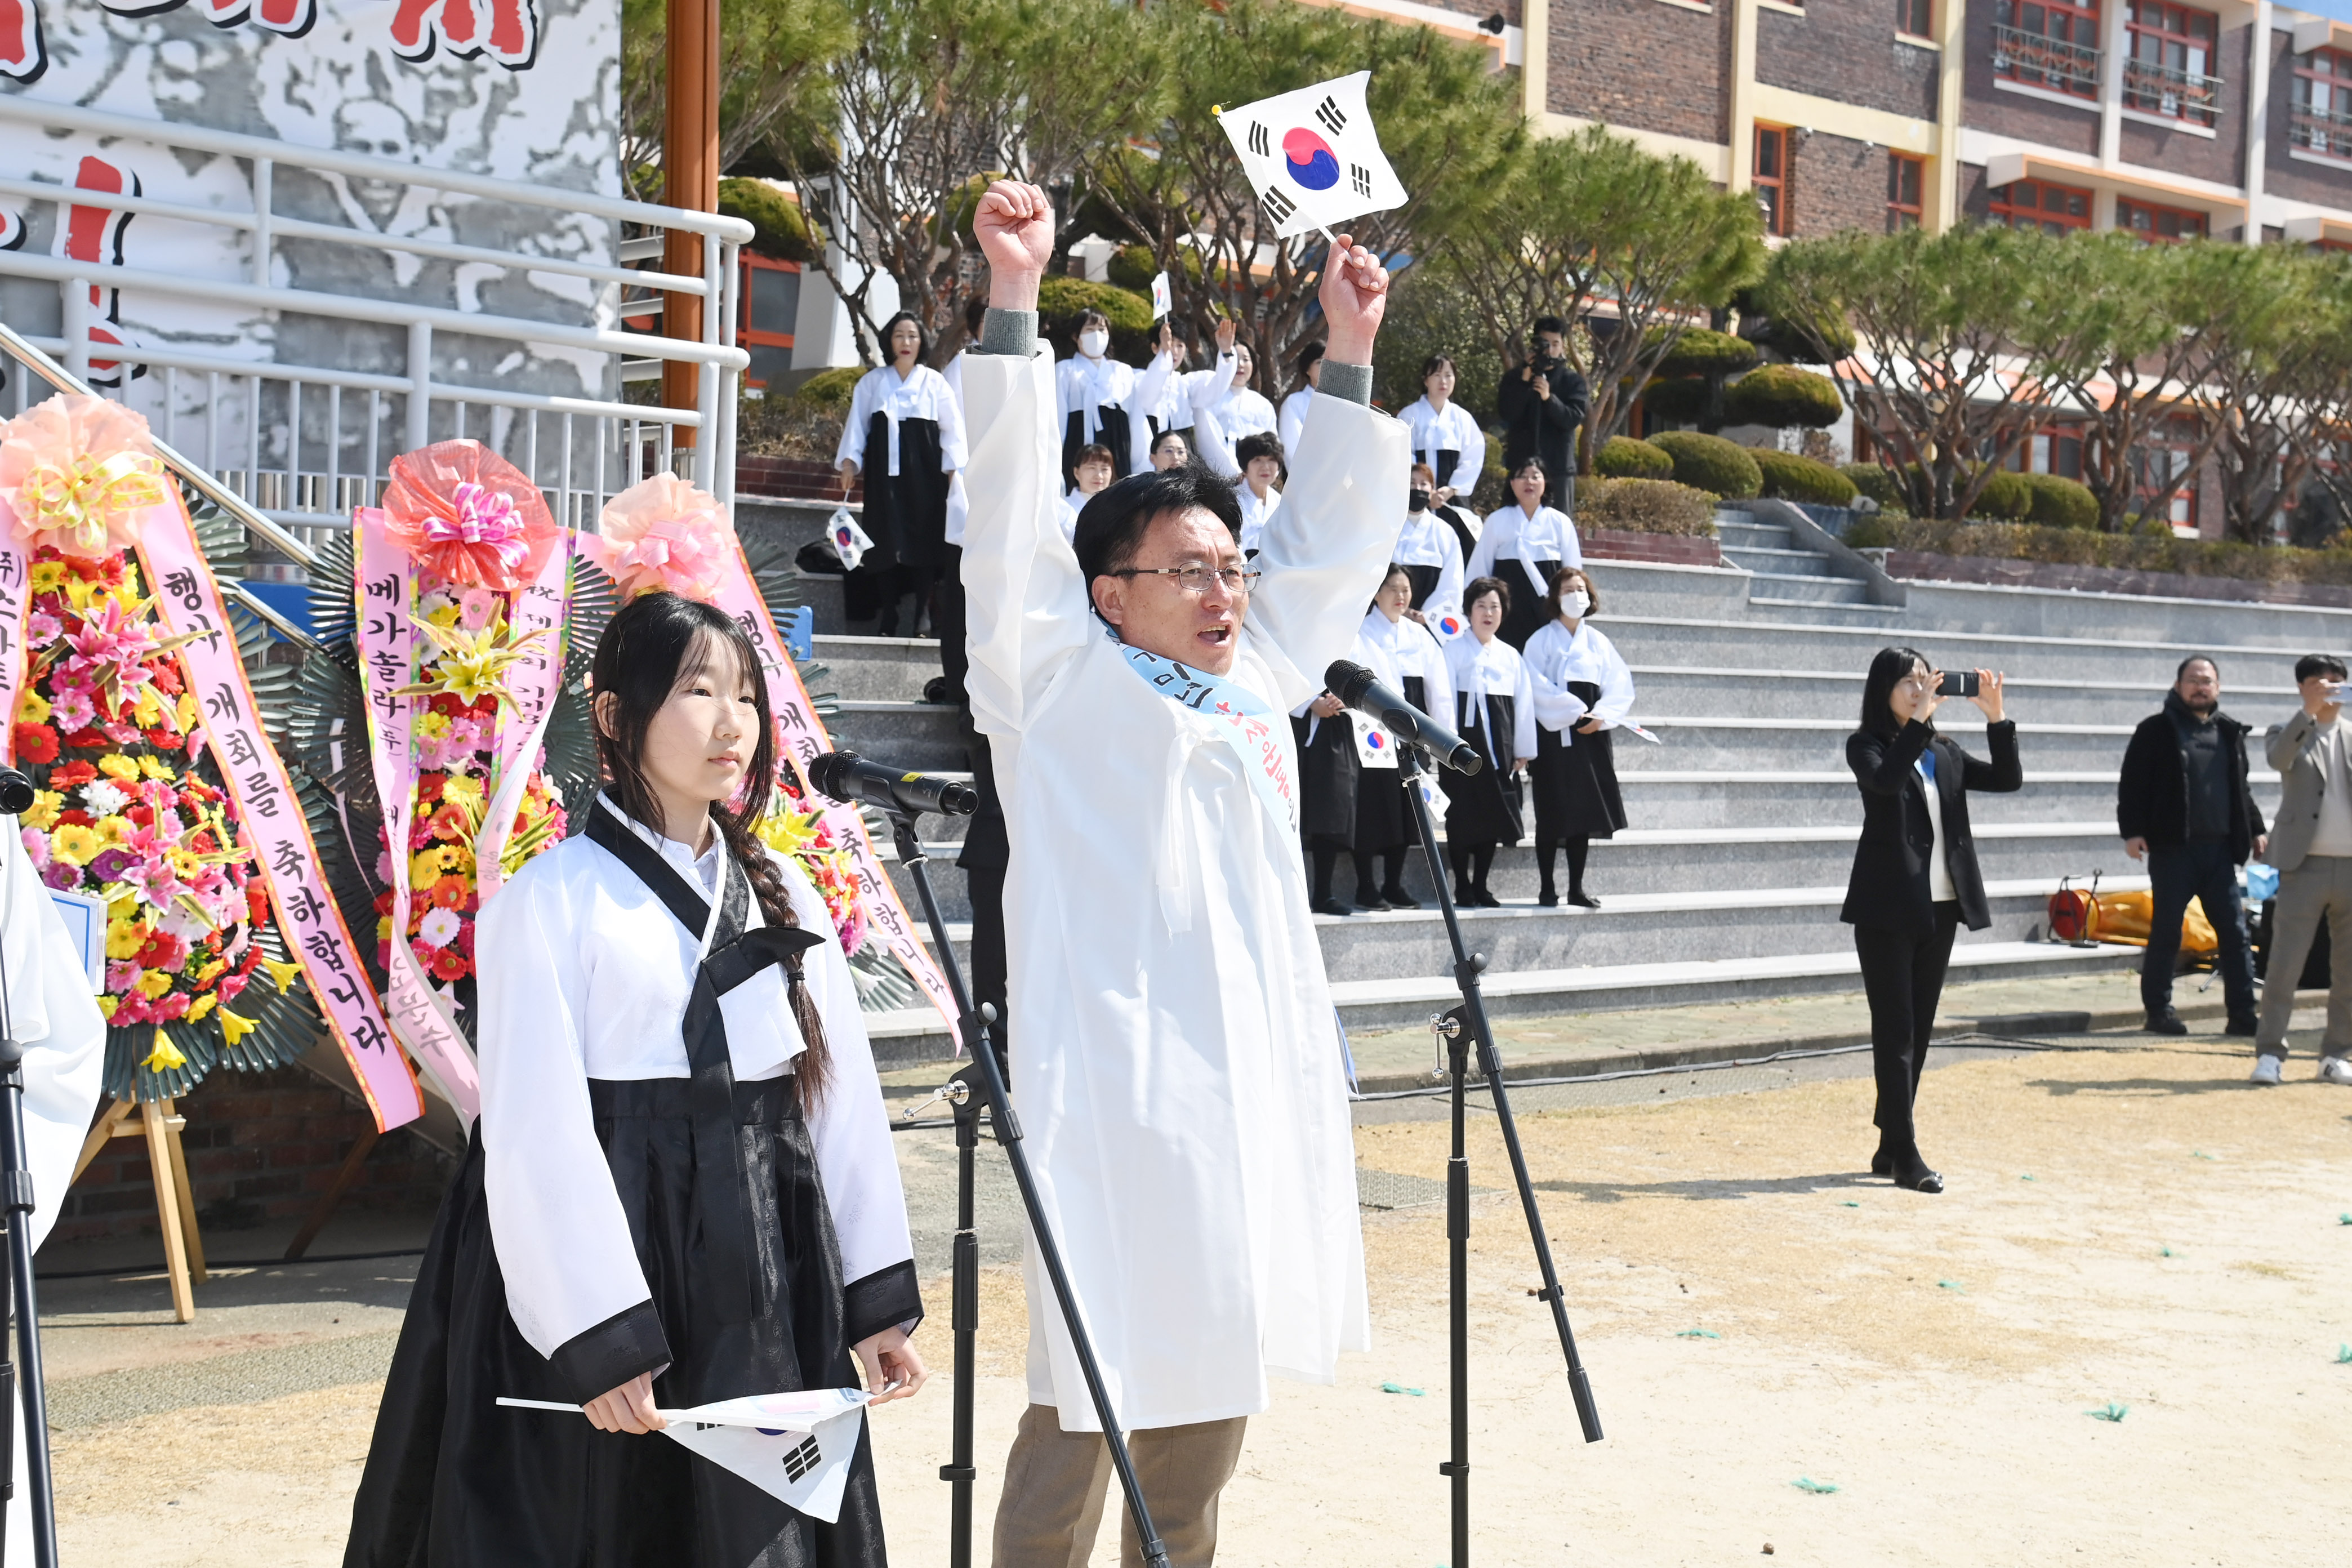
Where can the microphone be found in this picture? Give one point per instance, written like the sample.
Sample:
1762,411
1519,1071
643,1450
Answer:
847,776
1360,689
15,791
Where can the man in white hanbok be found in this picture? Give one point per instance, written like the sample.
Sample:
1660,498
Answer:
1179,1076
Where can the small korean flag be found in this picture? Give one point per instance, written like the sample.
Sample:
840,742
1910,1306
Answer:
1163,300
1447,627
849,541
1375,747
1313,156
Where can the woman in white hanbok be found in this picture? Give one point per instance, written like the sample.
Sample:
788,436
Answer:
1583,691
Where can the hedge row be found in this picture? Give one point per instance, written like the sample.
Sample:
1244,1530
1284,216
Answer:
1643,506
2148,551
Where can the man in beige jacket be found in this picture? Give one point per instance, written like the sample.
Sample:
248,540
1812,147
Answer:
2311,845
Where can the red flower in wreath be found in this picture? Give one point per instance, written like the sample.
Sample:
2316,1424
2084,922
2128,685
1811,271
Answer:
73,775
450,965
36,743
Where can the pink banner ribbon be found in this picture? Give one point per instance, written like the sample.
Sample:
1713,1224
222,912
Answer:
805,739
384,585
542,606
189,601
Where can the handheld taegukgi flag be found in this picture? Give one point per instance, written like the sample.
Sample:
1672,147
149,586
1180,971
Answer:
1313,156
796,1448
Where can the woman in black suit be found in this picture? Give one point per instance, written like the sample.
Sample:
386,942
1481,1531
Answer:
1914,876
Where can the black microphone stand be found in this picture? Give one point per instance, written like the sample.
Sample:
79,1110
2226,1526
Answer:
986,1074
1464,1028
17,1215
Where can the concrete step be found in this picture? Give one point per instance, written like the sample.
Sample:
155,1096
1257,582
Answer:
1795,587
1776,558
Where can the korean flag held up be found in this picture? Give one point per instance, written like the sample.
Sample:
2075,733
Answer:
1313,156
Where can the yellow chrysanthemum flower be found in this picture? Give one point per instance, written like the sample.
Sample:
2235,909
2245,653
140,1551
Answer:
165,1057
106,1004
124,938
424,869
43,813
432,726
383,928
152,982
185,864
49,576
463,791
202,1008
148,709
110,829
153,766
185,711
114,765
32,708
74,844
212,972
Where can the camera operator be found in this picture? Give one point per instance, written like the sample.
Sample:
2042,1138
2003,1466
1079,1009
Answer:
1914,879
1542,403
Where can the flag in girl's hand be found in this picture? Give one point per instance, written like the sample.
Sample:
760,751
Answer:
1313,156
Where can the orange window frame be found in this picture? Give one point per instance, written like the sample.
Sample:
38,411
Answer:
1906,191
1768,175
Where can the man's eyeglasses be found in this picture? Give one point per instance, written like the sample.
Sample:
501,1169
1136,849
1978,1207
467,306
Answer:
1195,580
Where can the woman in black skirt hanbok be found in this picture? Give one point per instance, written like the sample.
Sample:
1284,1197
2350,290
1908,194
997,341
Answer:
904,434
681,1188
1407,659
1583,691
1495,711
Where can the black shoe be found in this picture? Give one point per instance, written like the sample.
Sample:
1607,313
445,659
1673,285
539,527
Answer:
1398,898
1547,899
1582,900
1919,1179
887,624
1484,899
1366,899
1330,906
936,690
1882,1163
2245,1027
2167,1023
1464,898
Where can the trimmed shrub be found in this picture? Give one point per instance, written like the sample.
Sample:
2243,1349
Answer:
2006,497
1623,458
1061,300
1678,402
1643,506
829,391
1700,351
2154,550
1790,477
1710,463
1879,485
1802,341
781,230
1781,395
2062,502
1879,530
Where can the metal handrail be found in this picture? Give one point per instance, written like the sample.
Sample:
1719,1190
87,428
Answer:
367,167
211,489
2197,95
2048,56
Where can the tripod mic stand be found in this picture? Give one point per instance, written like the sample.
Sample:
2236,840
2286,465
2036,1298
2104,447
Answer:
1464,1028
984,1072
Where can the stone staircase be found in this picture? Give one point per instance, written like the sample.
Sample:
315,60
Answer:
1730,880
1784,571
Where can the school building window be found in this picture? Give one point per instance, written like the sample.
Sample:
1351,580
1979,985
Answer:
2167,225
1916,18
2321,118
1770,177
770,298
2162,457
1907,182
2037,203
2047,44
2168,59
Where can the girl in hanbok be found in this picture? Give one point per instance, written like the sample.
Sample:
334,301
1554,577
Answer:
1402,653
1429,552
1444,437
1527,543
1582,692
1259,489
904,433
1171,449
1291,424
681,1188
1095,398
1495,711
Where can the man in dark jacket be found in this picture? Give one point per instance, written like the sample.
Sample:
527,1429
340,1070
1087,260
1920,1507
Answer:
1542,402
2183,803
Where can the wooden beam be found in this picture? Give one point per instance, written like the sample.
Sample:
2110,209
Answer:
167,1212
189,1233
689,175
328,1200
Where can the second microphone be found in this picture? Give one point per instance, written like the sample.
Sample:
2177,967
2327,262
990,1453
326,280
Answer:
846,775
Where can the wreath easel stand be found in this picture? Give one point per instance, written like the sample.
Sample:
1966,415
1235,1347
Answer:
176,1207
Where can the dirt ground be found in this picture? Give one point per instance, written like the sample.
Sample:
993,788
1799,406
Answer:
2132,1231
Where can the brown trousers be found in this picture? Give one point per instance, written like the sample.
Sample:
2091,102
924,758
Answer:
1056,1483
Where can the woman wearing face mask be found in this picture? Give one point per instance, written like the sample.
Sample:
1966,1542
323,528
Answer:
1914,879
612,1241
1444,437
1260,487
1429,552
1525,541
905,431
1495,711
1407,659
1095,398
1582,690
1293,421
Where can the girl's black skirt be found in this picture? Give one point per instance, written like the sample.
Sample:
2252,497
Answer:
1575,781
455,1480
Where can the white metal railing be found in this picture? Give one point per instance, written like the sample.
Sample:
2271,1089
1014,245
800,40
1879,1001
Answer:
303,437
2322,130
2045,61
2155,88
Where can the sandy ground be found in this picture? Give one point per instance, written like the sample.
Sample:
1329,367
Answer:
2130,1228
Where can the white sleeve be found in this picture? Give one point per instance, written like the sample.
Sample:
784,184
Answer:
952,453
1472,464
1326,546
1446,597
1212,445
1064,388
1026,600
1293,419
52,1010
1616,685
1152,390
853,429
849,1127
1437,674
556,1223
1491,539
1572,549
1556,707
1523,715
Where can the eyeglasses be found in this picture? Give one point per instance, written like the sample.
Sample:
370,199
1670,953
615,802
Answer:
1196,579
